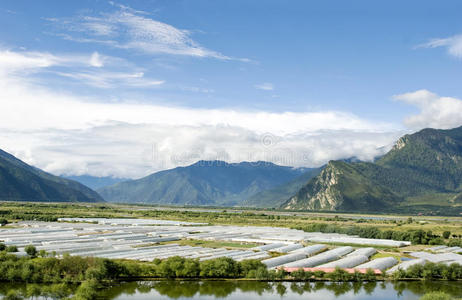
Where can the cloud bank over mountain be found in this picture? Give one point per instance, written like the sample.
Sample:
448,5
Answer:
72,135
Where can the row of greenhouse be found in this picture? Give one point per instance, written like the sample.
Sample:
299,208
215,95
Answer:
340,257
445,249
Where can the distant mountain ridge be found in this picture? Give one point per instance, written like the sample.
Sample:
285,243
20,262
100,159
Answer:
424,168
203,183
22,182
94,182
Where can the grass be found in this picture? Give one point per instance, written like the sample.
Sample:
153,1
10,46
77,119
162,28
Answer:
359,246
387,254
212,244
432,199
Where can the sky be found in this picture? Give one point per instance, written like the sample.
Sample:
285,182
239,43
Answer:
125,89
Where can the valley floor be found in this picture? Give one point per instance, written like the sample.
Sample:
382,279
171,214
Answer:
91,245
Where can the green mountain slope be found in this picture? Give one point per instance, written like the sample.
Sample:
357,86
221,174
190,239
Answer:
341,186
424,168
21,182
203,183
274,197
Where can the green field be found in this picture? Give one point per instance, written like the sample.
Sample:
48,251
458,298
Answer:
212,244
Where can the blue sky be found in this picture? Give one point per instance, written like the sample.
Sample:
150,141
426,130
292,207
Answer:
359,72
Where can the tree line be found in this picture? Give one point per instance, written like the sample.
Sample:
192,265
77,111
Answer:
418,236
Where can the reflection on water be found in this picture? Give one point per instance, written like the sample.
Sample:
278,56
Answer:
255,290
231,290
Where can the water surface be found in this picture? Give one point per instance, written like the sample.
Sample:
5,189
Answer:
254,290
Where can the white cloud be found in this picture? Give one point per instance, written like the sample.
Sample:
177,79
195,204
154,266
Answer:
10,61
101,79
435,111
68,134
87,69
136,150
265,86
96,61
453,45
130,29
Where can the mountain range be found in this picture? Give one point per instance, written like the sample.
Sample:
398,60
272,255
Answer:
22,182
206,183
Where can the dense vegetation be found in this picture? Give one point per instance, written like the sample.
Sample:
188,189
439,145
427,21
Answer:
43,268
423,169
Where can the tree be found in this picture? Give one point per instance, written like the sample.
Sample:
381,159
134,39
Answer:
12,248
2,247
248,265
31,250
446,234
191,268
262,273
223,267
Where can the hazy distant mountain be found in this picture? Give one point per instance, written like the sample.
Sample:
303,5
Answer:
423,169
21,182
276,196
203,183
96,182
